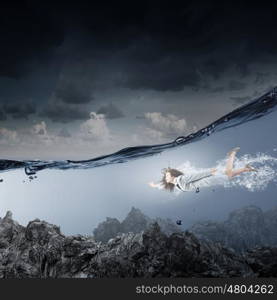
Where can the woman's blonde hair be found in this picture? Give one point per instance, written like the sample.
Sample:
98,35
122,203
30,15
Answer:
173,172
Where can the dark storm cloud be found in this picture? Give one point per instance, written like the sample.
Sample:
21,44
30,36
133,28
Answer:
159,45
166,46
162,76
19,111
110,111
3,116
241,100
236,85
217,89
231,86
72,94
58,112
261,78
29,33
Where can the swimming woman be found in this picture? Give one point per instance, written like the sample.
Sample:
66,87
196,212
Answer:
173,178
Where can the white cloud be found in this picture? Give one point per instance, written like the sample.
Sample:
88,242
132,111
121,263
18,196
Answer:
40,128
39,134
92,138
8,136
165,126
154,135
95,128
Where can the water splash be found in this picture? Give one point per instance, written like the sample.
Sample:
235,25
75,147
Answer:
266,166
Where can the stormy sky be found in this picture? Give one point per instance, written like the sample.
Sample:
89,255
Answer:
82,79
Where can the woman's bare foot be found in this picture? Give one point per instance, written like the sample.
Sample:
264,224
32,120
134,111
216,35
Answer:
249,168
235,150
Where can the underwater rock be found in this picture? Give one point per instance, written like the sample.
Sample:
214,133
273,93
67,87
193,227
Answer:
245,228
167,225
107,229
134,222
270,218
40,250
263,261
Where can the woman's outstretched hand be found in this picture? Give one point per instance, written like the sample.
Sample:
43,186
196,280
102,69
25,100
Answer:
155,185
152,184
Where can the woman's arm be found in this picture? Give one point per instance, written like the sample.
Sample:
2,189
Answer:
155,185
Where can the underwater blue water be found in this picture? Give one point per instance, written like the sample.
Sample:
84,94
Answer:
77,195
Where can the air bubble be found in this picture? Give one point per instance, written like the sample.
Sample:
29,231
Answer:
29,171
180,139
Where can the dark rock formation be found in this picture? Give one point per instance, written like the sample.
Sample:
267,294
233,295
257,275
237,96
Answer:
263,261
270,218
107,230
40,250
245,228
167,226
135,222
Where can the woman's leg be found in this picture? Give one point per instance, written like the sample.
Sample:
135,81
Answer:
230,162
229,171
247,168
239,171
